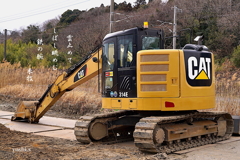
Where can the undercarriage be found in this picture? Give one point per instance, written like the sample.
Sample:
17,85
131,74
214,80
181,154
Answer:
162,133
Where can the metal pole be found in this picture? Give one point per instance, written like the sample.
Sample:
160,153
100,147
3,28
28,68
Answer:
111,15
174,27
5,45
230,6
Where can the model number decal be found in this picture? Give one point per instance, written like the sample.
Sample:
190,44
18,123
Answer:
123,94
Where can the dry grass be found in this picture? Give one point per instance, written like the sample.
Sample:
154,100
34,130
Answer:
13,82
227,97
26,91
85,98
14,75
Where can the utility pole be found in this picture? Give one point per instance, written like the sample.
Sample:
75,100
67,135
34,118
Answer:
111,15
175,25
230,5
5,45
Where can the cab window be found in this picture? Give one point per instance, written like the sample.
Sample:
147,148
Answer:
125,50
150,43
108,56
108,64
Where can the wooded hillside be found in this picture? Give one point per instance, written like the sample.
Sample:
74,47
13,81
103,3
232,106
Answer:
217,20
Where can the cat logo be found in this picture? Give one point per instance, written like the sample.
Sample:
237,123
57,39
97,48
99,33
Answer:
198,68
202,70
81,73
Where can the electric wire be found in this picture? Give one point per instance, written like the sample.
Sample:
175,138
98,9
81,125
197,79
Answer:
35,10
39,11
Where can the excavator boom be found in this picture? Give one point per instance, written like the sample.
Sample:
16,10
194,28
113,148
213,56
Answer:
81,72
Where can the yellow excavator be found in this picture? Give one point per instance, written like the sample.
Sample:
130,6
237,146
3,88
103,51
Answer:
157,91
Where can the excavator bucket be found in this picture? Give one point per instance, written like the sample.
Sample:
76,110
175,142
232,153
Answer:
25,111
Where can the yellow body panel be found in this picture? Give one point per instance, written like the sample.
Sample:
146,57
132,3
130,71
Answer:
161,80
161,70
189,91
132,103
158,104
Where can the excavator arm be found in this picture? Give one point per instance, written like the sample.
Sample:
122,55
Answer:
79,73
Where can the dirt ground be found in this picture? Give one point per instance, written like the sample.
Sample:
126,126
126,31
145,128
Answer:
18,145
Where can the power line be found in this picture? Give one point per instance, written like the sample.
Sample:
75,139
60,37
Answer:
39,12
32,11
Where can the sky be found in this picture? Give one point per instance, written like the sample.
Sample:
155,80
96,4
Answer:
18,14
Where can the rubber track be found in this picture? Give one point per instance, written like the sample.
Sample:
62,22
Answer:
82,125
144,130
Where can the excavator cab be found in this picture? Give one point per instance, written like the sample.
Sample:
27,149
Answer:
119,59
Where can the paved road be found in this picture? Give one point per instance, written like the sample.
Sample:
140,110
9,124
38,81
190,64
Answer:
47,126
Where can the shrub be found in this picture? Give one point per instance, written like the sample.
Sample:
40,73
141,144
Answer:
236,57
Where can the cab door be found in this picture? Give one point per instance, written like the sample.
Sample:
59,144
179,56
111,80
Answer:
126,66
109,65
